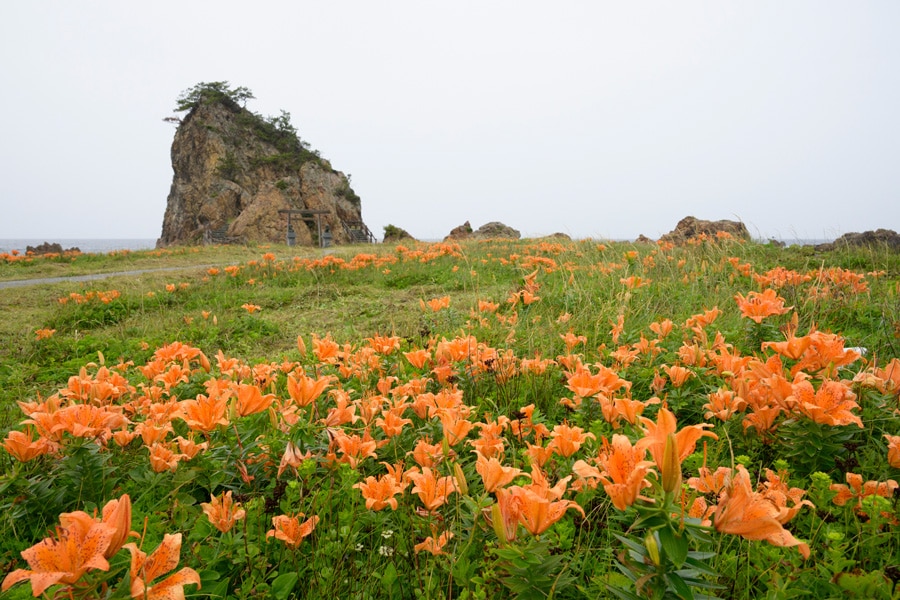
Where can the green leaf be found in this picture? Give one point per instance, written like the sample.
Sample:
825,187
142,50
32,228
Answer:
283,585
389,576
681,588
675,546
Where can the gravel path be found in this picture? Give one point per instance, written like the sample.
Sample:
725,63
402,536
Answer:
91,277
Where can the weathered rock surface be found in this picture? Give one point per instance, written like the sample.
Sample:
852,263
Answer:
233,172
394,234
879,237
48,248
690,227
496,230
461,232
643,239
488,231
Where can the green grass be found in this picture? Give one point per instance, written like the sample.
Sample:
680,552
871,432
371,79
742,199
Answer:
305,292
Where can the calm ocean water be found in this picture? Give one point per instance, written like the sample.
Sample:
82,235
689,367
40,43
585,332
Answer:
108,245
86,246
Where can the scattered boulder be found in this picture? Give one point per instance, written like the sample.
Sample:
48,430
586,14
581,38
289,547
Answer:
557,236
462,232
643,239
690,227
496,230
48,248
879,237
394,234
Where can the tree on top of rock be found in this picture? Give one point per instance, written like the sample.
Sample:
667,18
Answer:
210,93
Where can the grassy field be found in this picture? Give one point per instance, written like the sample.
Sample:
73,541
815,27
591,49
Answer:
482,420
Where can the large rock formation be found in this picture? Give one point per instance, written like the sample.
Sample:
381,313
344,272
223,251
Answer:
690,227
234,170
878,238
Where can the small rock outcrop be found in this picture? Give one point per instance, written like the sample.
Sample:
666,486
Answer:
643,239
496,230
48,248
394,234
461,232
488,231
877,238
234,170
690,227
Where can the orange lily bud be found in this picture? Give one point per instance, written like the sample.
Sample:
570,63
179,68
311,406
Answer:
652,548
460,477
671,467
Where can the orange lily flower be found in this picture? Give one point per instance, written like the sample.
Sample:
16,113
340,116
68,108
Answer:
384,344
43,334
757,307
326,350
379,492
434,545
831,404
117,514
250,399
205,413
251,308
678,375
436,304
858,490
686,439
746,513
144,569
305,390
342,412
418,357
162,458
662,328
793,347
624,470
354,448
567,439
65,559
223,512
24,447
392,423
292,458
432,491
426,454
893,455
290,530
493,473
723,404
710,482
190,448
455,424
540,507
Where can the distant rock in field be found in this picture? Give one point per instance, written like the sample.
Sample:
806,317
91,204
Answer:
462,232
877,238
496,230
48,248
488,231
643,239
394,234
557,236
690,227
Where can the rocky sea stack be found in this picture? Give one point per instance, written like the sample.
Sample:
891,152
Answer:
234,170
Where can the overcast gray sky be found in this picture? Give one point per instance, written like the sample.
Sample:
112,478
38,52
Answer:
597,119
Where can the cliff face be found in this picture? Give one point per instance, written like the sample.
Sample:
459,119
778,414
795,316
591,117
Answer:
235,170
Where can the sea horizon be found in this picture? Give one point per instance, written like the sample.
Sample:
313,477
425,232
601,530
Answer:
101,245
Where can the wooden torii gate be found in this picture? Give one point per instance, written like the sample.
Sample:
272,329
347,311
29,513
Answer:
305,215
